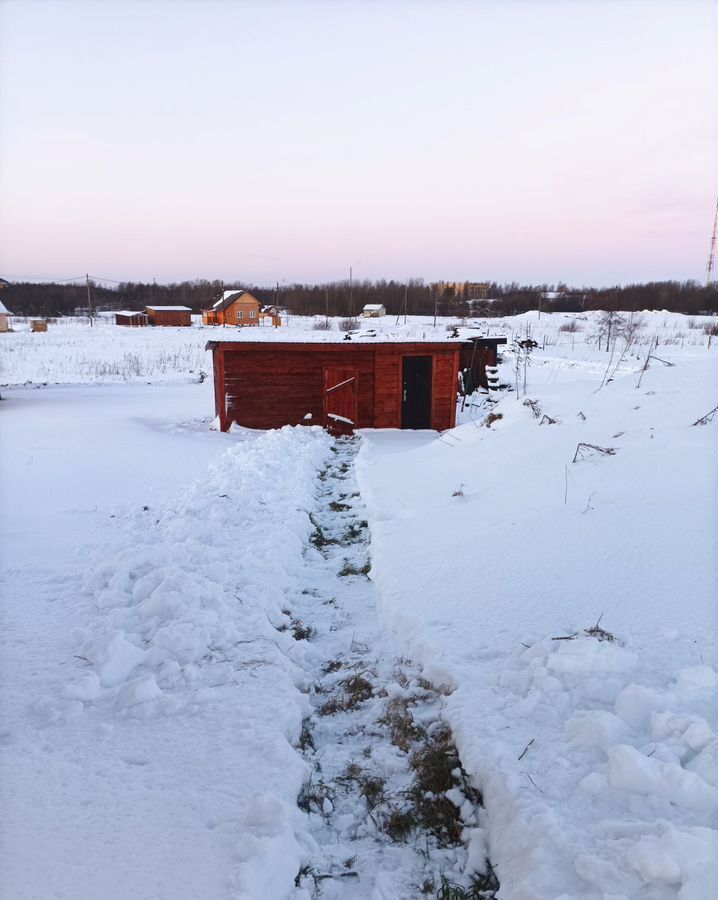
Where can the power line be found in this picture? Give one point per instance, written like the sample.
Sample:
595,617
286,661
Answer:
49,280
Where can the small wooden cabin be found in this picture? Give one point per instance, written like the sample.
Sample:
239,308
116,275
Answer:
233,308
373,311
38,325
169,315
340,384
131,319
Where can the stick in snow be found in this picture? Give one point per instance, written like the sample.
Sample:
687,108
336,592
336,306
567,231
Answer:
581,448
708,417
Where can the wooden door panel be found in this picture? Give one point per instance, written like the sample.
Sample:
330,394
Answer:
340,399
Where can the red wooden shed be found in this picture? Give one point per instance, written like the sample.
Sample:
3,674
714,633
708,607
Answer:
169,315
131,318
340,384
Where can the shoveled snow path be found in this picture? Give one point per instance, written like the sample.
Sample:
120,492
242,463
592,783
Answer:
350,750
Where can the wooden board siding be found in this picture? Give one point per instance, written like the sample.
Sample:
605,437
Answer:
136,320
268,385
273,388
478,354
239,313
444,403
341,388
169,317
387,393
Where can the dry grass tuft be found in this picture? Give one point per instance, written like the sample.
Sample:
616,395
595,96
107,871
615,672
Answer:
399,824
350,569
402,729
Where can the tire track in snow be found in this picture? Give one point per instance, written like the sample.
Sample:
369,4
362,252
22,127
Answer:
391,813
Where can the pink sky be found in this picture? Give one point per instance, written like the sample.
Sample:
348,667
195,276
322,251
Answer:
529,141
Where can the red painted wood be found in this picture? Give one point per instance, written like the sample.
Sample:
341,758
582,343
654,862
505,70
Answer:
267,385
341,389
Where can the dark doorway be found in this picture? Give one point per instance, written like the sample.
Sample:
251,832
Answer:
416,392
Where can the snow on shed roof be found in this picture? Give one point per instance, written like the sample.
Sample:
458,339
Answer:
4,310
297,336
373,306
171,308
131,312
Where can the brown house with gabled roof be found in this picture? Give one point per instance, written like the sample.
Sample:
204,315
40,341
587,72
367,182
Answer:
233,308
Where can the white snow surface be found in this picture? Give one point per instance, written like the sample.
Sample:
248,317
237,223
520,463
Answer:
72,352
149,700
147,751
596,758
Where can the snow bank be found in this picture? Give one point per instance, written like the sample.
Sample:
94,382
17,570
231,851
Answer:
495,556
185,640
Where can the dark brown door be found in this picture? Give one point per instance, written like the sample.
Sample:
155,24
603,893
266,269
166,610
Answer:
340,400
416,392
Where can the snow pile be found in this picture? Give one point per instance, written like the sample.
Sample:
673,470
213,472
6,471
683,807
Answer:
593,742
635,763
190,626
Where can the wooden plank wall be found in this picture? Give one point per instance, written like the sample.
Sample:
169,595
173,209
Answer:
387,391
171,317
266,389
262,387
444,389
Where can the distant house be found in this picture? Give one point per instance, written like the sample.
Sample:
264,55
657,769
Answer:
4,317
169,315
132,319
271,314
373,310
233,308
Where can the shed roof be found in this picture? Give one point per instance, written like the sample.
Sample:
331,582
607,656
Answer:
4,311
336,344
414,333
170,308
132,312
374,306
346,339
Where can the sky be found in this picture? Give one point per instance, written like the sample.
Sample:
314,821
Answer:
518,140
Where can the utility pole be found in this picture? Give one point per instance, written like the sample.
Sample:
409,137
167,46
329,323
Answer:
436,304
712,254
89,300
406,300
326,306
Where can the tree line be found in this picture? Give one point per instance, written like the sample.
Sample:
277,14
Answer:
342,298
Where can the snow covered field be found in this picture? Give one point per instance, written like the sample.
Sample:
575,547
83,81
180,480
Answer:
175,601
71,352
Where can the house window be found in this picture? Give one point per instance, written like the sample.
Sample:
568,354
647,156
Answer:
252,314
240,314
